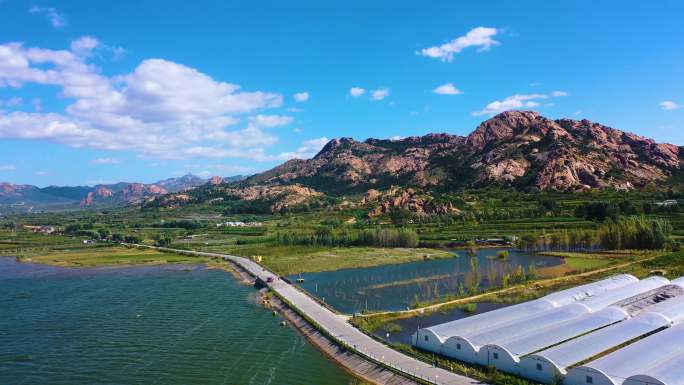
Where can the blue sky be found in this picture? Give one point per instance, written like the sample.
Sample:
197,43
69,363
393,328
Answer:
94,92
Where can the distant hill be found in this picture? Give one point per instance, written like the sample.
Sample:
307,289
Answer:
115,194
519,149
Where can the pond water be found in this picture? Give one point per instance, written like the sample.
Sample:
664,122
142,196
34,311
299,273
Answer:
171,324
409,326
397,287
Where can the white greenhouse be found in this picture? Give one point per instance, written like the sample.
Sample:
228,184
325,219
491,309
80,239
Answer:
669,373
434,337
547,339
548,365
652,353
463,340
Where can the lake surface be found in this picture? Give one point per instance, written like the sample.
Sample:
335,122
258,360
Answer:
173,324
397,287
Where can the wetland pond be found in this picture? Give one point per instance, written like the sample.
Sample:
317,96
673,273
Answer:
397,287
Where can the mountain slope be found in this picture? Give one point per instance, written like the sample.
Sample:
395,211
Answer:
518,148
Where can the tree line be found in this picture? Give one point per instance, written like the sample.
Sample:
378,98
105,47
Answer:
635,232
323,236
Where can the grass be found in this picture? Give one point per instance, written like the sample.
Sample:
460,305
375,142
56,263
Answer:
109,256
286,260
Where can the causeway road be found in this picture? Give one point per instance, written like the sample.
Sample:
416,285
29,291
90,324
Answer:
336,325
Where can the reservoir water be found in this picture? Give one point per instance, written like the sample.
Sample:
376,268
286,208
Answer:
397,287
172,324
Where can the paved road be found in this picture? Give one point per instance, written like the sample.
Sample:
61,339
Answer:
337,326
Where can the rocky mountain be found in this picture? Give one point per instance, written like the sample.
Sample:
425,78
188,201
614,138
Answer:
518,148
184,182
12,194
116,194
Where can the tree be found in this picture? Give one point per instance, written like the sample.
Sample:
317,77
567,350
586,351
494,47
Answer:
162,240
104,233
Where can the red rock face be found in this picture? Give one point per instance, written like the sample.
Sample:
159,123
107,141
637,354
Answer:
8,189
519,148
131,193
215,180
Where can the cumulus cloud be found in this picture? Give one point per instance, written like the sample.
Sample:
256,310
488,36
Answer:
481,37
379,93
447,89
669,105
308,149
105,161
516,102
7,167
356,91
270,120
51,14
301,96
84,45
161,109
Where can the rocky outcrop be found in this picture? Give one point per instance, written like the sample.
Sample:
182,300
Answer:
406,199
281,196
129,194
99,194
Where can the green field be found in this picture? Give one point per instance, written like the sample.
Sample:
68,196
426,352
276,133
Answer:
109,256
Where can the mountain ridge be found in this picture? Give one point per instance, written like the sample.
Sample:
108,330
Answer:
113,194
518,148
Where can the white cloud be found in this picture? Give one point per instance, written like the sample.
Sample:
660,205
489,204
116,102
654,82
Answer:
84,45
42,173
51,14
356,91
270,120
301,96
480,37
379,94
397,137
447,89
105,161
517,101
293,109
308,149
7,167
11,102
669,105
162,109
